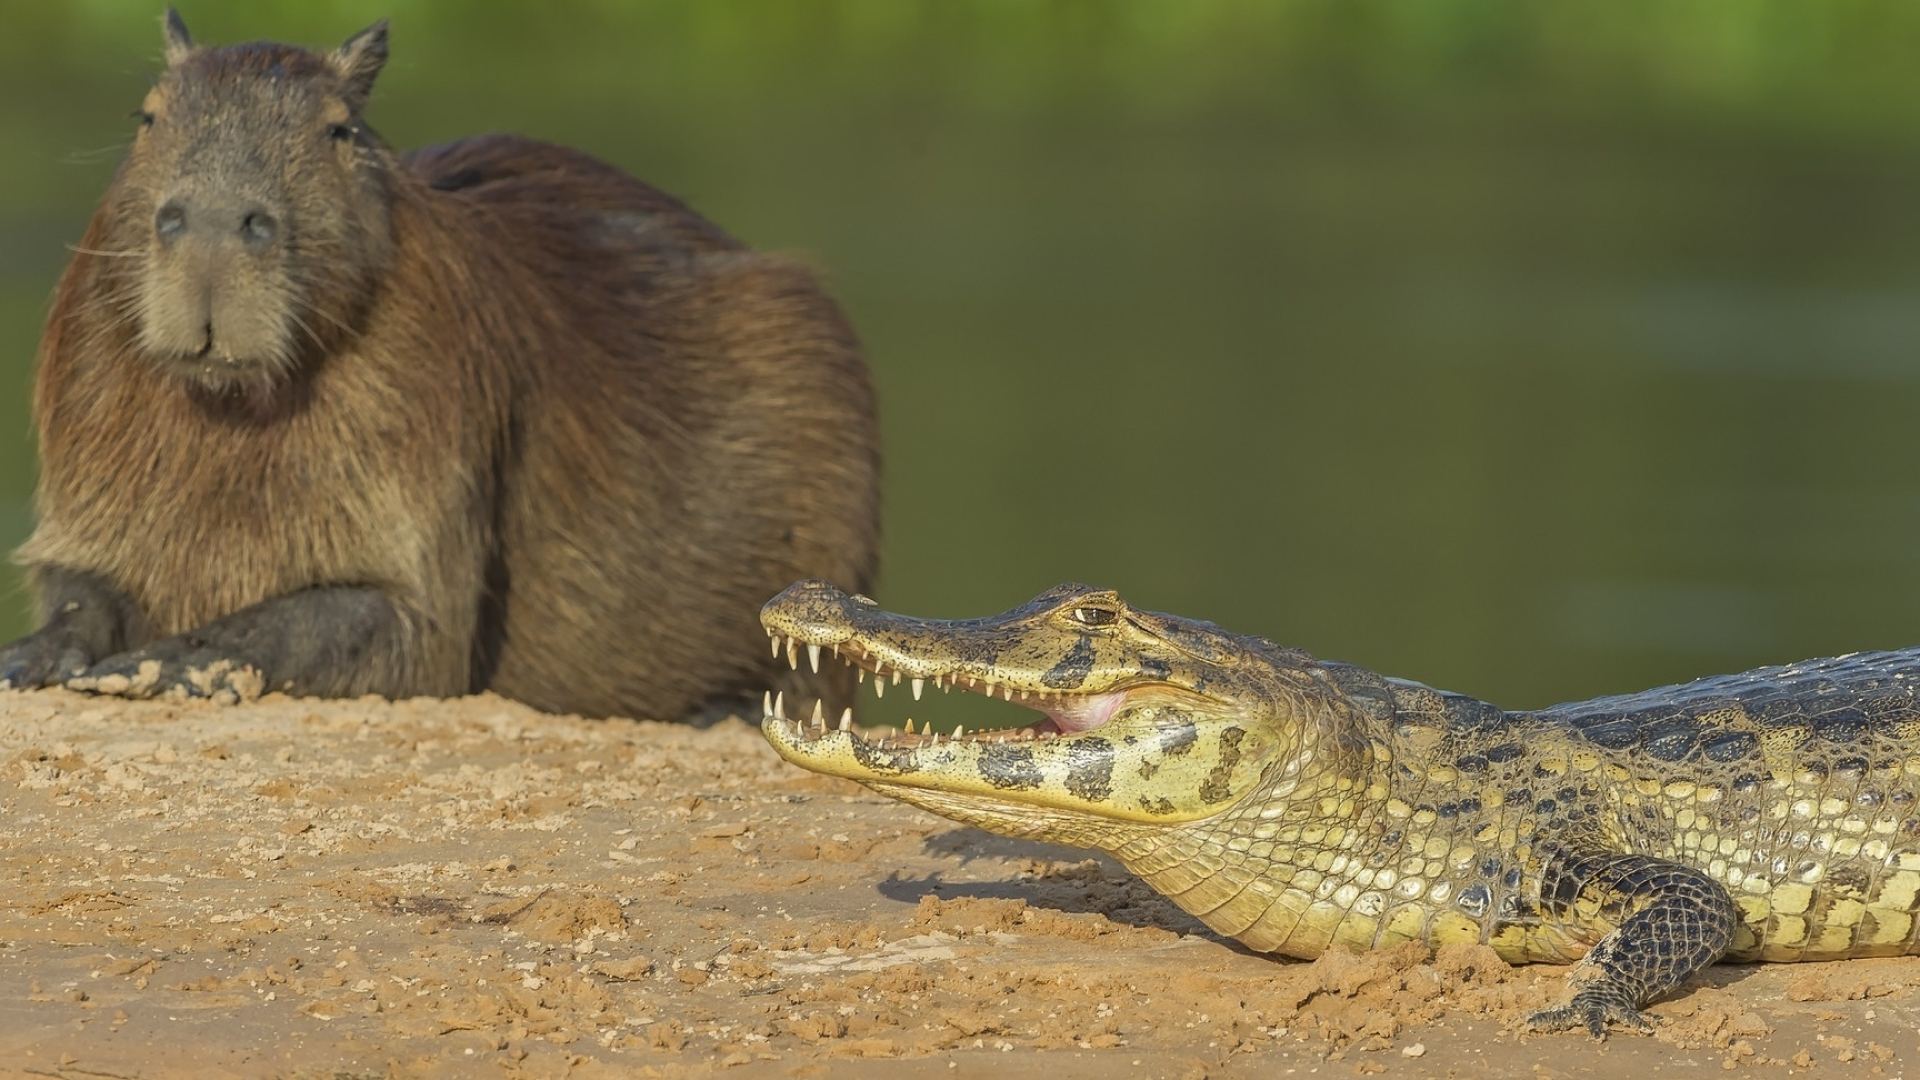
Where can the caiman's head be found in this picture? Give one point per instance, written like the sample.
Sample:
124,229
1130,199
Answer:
1148,718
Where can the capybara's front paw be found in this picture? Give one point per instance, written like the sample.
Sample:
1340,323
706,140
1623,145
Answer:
176,667
47,658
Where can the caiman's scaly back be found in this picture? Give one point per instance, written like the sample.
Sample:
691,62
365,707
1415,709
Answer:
1298,805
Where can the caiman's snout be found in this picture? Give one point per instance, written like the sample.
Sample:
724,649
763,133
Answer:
814,611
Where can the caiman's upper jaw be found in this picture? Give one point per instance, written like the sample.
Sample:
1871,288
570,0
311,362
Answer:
1065,712
1073,653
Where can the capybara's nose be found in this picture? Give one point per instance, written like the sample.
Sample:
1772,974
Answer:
171,222
258,228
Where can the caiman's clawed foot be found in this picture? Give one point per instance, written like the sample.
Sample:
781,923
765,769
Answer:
1592,1008
177,667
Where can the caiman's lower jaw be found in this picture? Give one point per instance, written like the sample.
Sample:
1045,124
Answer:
1147,752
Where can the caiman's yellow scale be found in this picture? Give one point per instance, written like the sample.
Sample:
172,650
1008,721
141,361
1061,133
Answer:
1297,804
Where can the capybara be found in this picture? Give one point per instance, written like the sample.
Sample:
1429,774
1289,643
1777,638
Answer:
318,417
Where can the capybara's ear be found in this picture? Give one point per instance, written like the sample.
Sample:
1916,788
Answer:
359,61
179,42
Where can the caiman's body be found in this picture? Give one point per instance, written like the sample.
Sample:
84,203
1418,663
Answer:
1297,804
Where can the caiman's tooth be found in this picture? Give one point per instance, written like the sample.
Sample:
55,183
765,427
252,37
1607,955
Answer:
896,676
793,653
773,639
970,682
936,739
909,725
819,714
1009,692
991,686
836,648
813,658
959,731
918,685
846,720
766,704
879,687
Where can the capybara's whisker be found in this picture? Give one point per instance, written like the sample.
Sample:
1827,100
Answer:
134,254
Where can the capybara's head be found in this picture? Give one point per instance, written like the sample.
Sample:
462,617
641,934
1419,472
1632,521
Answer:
252,209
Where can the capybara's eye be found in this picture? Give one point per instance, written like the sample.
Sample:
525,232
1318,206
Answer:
145,117
340,132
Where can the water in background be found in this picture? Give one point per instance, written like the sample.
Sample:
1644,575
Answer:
1527,349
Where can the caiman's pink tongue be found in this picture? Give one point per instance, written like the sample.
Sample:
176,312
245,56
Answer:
1069,715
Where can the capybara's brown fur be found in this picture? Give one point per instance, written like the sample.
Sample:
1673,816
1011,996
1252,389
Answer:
492,415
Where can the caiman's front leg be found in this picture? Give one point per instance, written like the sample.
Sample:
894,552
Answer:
1667,921
328,641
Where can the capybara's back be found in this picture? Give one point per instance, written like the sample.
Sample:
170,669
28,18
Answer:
321,418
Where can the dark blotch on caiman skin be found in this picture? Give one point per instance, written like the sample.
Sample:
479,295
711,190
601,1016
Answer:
1090,768
1072,669
1009,767
1217,787
492,415
885,759
1729,745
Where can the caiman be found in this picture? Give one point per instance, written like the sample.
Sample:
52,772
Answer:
1299,805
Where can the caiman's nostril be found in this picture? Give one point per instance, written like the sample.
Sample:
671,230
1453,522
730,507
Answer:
171,221
259,228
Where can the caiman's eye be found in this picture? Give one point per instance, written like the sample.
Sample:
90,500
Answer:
1094,616
340,132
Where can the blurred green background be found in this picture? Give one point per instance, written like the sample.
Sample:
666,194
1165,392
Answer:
1528,348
